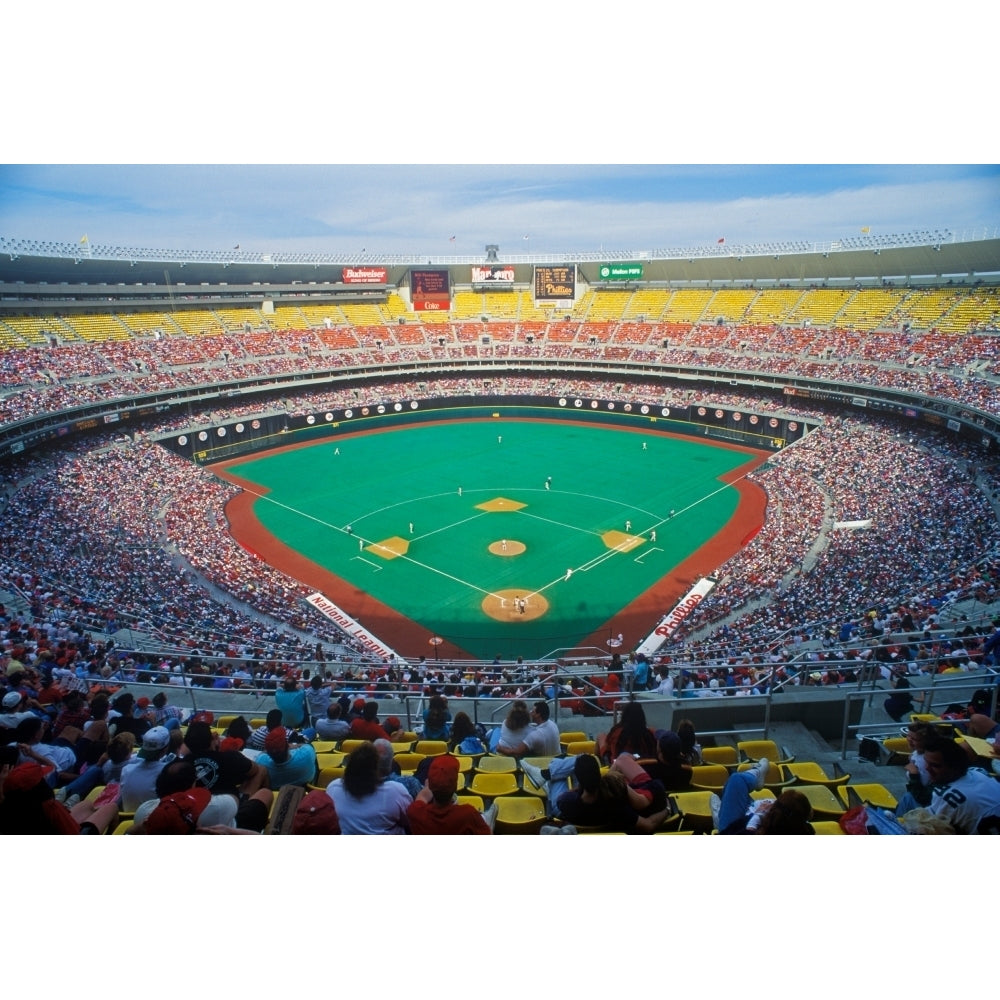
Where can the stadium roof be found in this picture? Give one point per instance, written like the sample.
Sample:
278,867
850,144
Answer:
931,256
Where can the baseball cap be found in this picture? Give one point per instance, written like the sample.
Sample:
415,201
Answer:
316,814
276,739
442,777
157,738
26,776
178,813
12,699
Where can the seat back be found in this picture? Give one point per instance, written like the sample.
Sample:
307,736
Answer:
713,776
408,762
519,815
328,774
490,785
431,748
496,765
727,756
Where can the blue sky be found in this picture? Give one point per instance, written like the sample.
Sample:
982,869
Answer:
394,208
438,96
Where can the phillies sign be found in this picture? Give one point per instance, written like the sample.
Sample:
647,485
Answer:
669,623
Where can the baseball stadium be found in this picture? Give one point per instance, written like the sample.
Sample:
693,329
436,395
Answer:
749,486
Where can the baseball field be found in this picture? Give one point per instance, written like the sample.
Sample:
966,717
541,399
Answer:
509,537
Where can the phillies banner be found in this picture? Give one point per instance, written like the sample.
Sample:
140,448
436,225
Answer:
669,623
350,626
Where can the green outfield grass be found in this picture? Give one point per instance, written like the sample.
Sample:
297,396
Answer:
340,501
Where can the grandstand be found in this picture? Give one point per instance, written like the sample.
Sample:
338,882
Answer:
887,386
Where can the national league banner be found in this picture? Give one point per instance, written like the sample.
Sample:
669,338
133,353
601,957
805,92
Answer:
669,623
350,626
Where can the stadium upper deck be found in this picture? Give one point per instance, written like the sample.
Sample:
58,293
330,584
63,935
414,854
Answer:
83,333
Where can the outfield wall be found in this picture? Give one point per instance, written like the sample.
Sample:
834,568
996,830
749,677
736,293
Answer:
234,438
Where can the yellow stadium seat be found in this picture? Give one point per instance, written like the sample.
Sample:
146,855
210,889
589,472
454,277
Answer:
824,803
408,762
808,772
871,794
709,777
777,776
496,765
751,750
491,785
727,756
519,815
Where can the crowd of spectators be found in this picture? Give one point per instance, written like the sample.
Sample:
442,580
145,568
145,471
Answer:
126,522
957,369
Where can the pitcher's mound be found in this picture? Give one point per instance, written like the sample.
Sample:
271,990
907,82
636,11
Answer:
505,605
507,548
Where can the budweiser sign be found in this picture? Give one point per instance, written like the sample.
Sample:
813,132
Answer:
365,276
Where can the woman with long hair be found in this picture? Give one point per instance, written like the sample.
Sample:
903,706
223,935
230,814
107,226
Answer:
366,803
464,737
631,735
690,747
437,719
514,728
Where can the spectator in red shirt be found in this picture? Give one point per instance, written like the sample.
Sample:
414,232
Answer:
435,811
368,726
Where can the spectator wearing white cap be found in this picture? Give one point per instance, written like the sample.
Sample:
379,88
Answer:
138,780
12,714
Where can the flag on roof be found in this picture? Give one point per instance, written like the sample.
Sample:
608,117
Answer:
236,247
84,238
866,229
525,237
721,239
451,239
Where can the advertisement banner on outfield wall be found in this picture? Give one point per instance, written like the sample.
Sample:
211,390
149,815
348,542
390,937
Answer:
365,276
669,623
352,627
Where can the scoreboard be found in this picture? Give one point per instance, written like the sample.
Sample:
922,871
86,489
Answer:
555,283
